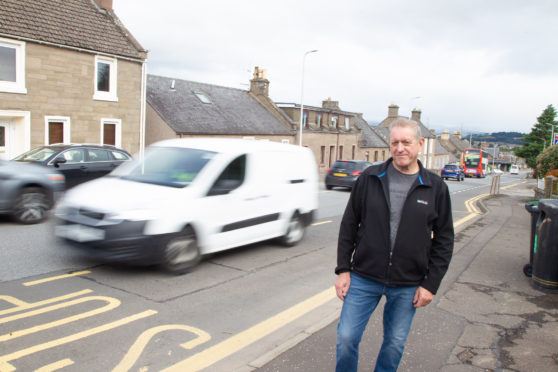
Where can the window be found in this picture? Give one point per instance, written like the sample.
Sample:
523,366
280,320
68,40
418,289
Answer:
353,152
383,155
334,121
72,156
366,156
111,132
376,155
202,97
117,155
99,155
105,79
12,66
347,123
231,178
57,129
322,154
2,136
304,118
319,120
340,152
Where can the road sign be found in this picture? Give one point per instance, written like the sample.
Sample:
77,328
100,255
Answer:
555,139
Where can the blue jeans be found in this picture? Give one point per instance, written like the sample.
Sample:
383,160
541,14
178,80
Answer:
361,300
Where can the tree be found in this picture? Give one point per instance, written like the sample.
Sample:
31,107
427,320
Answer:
547,160
535,142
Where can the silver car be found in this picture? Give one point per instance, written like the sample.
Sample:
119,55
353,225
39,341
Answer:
28,191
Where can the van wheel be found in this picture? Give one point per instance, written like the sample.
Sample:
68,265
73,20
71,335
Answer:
329,187
295,231
31,206
181,251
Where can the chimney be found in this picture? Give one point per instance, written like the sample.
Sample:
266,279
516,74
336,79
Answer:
393,111
259,85
104,4
457,134
415,115
331,105
445,135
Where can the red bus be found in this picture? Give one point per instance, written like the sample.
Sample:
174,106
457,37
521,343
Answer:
474,162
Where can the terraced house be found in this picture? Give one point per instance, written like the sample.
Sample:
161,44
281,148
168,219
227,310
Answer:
70,72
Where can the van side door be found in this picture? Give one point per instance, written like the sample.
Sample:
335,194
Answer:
235,213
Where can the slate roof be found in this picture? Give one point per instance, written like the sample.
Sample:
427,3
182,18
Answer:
369,137
382,132
454,145
70,23
231,111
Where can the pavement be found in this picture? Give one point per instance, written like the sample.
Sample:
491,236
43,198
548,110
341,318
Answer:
487,316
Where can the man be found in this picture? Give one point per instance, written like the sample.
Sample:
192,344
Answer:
395,240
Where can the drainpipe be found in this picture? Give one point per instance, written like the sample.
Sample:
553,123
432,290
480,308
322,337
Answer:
142,108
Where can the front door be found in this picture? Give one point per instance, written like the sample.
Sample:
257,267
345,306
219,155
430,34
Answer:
5,139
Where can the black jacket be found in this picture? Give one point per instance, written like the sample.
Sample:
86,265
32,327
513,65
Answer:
424,242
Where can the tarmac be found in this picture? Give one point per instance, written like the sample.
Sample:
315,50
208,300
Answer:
487,315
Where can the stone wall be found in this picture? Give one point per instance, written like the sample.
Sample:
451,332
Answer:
60,82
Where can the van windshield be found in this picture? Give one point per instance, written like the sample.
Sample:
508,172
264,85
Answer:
166,166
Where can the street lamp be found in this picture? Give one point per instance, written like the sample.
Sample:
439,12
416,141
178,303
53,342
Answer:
302,96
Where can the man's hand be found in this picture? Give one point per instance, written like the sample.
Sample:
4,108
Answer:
342,284
422,297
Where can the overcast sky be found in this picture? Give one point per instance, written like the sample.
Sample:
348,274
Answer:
476,65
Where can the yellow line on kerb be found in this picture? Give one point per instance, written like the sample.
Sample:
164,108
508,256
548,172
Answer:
52,278
235,343
321,223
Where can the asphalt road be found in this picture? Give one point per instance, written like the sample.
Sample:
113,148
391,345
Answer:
59,310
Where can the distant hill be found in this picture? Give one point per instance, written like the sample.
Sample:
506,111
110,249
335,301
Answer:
513,138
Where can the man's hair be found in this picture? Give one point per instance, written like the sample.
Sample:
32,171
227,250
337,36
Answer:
402,122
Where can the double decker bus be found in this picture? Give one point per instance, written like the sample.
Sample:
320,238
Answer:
474,162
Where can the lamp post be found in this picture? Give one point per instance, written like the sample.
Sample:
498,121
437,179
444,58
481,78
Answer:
302,96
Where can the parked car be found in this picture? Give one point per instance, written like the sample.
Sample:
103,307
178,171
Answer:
77,162
28,191
453,171
344,173
190,197
514,169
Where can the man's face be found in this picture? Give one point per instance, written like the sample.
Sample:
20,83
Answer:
405,148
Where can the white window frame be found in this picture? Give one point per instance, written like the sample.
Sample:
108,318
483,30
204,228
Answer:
111,94
17,86
117,130
66,131
347,123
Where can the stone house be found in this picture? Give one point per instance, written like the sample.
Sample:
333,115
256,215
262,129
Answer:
70,72
454,144
332,134
179,108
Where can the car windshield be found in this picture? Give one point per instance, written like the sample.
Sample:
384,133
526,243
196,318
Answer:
166,166
38,154
450,166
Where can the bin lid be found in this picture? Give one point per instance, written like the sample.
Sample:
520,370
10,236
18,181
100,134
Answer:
549,207
532,206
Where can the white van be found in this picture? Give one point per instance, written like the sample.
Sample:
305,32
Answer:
514,169
190,197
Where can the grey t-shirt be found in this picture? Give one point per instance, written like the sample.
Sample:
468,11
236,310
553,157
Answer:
399,186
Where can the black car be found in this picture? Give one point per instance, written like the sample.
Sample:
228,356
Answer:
28,191
452,171
77,162
344,173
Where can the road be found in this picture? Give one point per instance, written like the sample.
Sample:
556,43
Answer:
60,311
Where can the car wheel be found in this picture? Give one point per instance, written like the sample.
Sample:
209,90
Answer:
31,206
181,251
528,270
295,231
329,187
